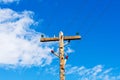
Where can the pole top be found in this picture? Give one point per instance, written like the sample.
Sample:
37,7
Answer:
61,33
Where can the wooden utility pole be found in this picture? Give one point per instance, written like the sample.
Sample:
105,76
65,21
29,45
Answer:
61,54
61,39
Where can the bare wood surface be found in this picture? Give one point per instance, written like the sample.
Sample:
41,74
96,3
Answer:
57,38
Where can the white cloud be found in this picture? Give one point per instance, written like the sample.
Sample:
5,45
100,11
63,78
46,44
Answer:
82,73
20,45
96,73
69,50
9,1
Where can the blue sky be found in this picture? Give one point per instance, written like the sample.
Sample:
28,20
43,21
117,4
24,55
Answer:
95,57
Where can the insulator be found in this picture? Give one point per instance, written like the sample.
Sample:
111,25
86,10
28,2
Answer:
52,51
77,33
66,57
42,36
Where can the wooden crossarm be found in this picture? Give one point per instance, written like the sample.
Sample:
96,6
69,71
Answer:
57,38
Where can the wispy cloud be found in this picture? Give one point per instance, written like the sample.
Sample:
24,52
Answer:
98,72
69,50
19,44
9,1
